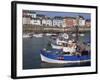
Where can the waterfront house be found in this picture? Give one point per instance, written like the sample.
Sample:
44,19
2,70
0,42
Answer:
74,22
27,16
48,21
30,13
36,21
69,22
26,19
57,21
81,21
41,16
44,22
88,23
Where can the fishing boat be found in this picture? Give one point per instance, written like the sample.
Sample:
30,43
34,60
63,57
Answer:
57,56
67,51
27,35
50,34
54,46
60,43
65,35
58,40
82,35
38,35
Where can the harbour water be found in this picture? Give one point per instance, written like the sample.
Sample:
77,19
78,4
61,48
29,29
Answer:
31,53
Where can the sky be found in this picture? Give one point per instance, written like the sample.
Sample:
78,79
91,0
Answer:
71,14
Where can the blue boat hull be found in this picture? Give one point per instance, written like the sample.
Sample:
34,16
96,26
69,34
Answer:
55,56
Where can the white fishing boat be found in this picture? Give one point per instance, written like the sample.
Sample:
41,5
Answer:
73,35
54,46
26,36
65,36
50,34
66,46
38,35
60,41
78,34
82,34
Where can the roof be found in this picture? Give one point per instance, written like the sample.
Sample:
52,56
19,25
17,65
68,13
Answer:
27,16
40,15
81,17
29,11
69,17
58,17
36,18
88,20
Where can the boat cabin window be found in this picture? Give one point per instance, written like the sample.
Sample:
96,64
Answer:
65,44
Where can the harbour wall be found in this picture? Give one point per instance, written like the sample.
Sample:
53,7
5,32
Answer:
50,29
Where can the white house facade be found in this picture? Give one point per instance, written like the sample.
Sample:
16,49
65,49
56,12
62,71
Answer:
44,21
81,21
26,19
57,21
35,21
49,22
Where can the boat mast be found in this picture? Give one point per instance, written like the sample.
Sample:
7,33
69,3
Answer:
77,29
